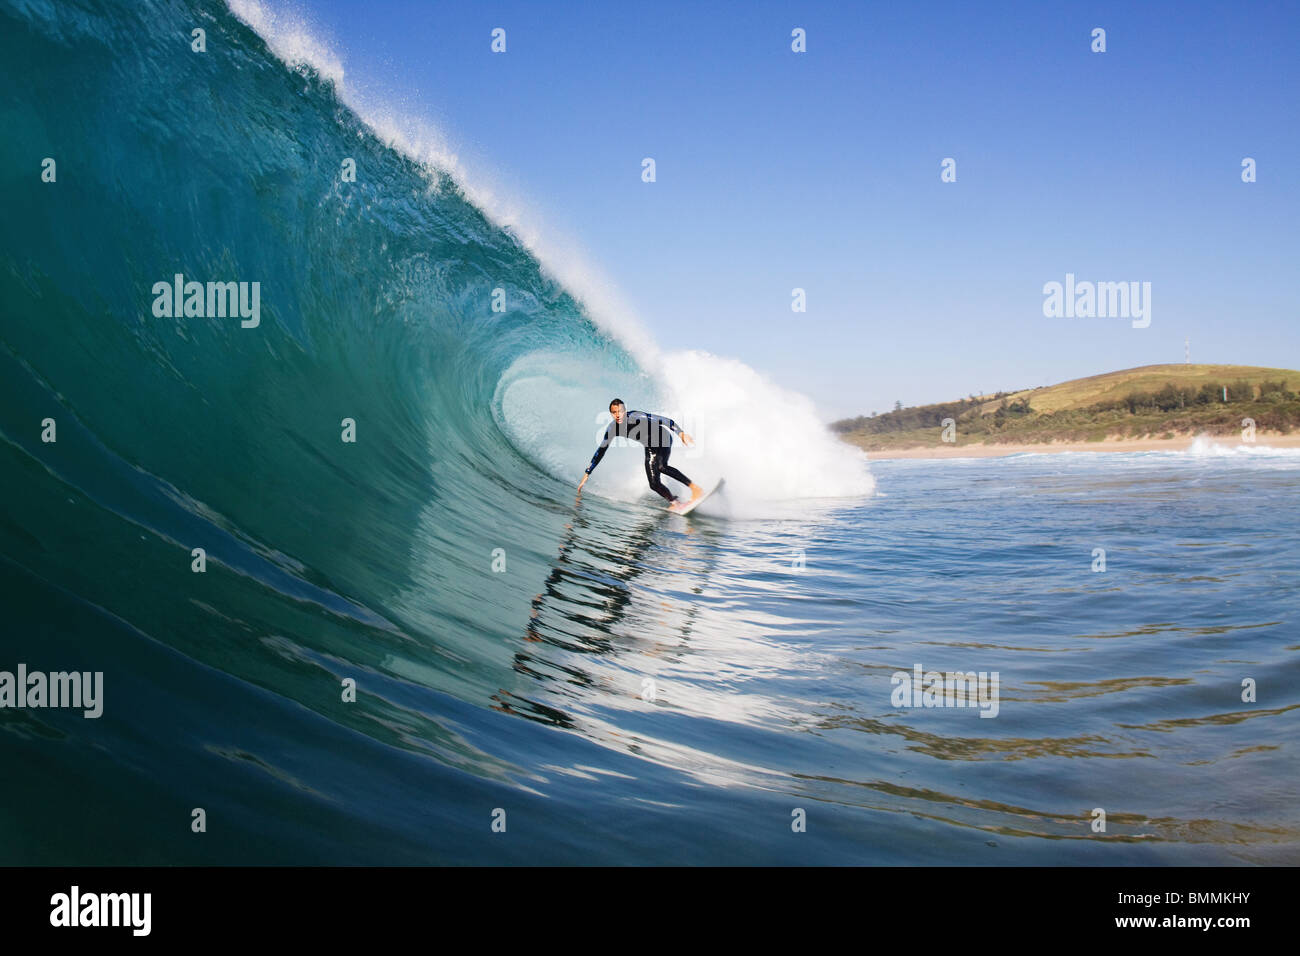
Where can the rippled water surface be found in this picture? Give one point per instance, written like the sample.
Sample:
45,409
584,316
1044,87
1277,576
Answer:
608,682
643,688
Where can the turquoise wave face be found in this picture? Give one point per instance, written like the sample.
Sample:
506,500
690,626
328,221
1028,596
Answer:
376,307
376,297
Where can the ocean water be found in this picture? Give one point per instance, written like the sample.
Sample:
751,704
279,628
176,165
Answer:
541,678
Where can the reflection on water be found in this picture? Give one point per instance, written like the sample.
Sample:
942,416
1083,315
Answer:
770,644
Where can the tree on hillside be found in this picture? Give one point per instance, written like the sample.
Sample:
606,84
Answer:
1241,391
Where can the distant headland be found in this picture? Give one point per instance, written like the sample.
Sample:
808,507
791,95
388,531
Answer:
1154,406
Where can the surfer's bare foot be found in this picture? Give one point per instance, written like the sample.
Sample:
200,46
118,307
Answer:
696,491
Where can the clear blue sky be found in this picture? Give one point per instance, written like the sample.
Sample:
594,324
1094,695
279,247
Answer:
821,170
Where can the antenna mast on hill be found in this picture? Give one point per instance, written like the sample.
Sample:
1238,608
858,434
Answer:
1187,351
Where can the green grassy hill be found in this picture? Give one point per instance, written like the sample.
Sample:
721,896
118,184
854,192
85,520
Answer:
1159,401
1082,392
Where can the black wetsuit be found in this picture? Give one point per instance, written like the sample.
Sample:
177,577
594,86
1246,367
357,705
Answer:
656,433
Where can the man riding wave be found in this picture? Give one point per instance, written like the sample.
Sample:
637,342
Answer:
656,433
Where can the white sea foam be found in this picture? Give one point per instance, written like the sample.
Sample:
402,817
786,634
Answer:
289,38
766,441
1207,447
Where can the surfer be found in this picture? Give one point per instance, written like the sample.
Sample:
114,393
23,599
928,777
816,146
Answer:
656,433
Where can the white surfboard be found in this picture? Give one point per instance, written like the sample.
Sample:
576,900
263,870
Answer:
687,507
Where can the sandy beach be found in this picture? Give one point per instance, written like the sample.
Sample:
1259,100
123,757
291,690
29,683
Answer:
1115,445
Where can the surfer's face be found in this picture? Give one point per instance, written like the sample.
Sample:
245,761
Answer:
618,411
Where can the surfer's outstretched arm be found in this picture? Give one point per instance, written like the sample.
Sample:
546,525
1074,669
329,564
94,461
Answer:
600,453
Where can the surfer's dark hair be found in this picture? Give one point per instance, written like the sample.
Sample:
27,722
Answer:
616,401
